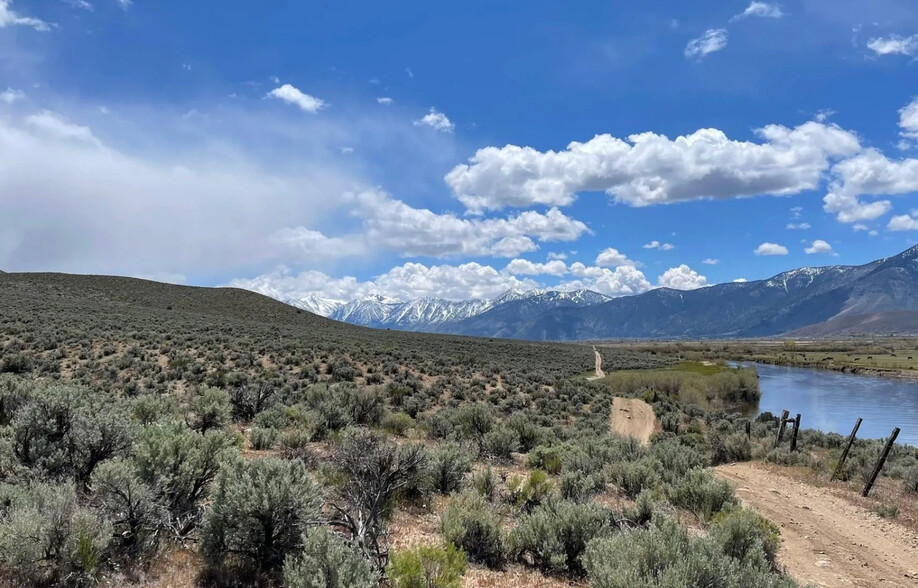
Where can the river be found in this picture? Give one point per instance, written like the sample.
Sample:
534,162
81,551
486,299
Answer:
832,401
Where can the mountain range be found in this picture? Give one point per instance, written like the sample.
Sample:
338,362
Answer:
880,297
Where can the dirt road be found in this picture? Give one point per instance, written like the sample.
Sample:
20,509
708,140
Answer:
827,541
599,372
633,418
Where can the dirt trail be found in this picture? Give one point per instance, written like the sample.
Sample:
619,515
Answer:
633,417
826,540
599,372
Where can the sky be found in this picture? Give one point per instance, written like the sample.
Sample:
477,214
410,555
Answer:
455,150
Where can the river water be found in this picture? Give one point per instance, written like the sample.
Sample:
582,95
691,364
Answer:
832,401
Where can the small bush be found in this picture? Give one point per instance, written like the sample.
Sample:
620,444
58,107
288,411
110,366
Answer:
554,535
529,492
397,423
209,409
545,458
500,444
262,439
47,539
664,555
702,494
130,504
327,561
635,476
746,536
887,511
294,444
641,512
485,483
427,567
469,524
259,512
448,465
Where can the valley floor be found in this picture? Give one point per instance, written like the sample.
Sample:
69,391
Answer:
827,540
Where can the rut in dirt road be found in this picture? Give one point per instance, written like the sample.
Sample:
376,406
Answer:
826,540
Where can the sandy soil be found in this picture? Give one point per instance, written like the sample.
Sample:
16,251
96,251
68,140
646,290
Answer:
633,418
826,540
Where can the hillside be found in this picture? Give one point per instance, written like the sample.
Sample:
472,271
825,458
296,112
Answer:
64,315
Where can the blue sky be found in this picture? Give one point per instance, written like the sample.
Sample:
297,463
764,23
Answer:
419,149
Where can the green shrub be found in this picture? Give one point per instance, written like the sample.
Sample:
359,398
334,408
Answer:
887,511
545,458
262,439
635,476
579,486
295,444
529,492
664,555
528,433
469,524
66,430
127,501
47,539
327,561
641,512
500,444
485,483
701,493
427,567
448,465
397,423
209,409
554,535
746,536
259,513
180,464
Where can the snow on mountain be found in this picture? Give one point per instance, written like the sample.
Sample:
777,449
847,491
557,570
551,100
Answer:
317,304
369,311
428,313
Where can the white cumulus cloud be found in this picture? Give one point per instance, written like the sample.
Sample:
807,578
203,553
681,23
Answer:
612,257
625,280
436,120
903,222
649,168
525,267
385,100
908,119
869,173
770,249
682,278
393,224
710,261
820,246
292,95
658,245
710,41
797,226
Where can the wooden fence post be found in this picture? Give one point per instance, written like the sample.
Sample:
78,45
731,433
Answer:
844,455
880,462
793,439
781,426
